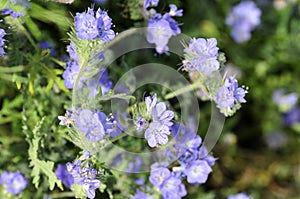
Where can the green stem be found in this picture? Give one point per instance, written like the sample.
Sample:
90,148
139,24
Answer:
84,65
12,69
63,195
26,33
118,137
191,87
62,64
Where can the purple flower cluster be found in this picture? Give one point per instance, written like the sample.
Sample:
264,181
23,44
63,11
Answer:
201,55
72,70
63,175
2,40
95,125
159,128
243,18
169,183
229,94
162,27
90,25
13,182
195,162
285,102
84,175
292,117
239,196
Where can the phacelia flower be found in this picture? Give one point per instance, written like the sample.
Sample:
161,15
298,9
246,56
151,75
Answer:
242,19
160,30
63,175
239,196
285,102
2,40
89,123
198,172
152,3
230,93
85,176
201,55
292,117
13,182
70,74
140,124
86,25
90,25
157,133
174,11
100,81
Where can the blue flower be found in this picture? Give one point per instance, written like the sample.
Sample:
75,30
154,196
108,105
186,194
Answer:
159,175
157,133
230,93
89,25
12,13
162,115
63,175
100,80
141,195
2,40
70,74
201,55
104,24
172,188
243,18
239,196
224,97
86,25
85,176
292,117
148,3
150,103
13,182
140,124
160,30
285,102
198,172
89,123
174,12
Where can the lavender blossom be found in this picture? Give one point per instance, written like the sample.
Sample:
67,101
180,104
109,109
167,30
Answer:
2,40
285,102
13,182
12,13
201,55
141,195
243,18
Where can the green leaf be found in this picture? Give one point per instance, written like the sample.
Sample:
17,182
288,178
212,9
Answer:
41,166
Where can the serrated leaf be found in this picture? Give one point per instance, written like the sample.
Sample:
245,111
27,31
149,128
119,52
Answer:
41,166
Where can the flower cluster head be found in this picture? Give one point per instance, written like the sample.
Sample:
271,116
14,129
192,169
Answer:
201,55
2,40
285,102
239,196
95,125
195,162
100,80
230,94
162,27
84,175
14,183
169,183
159,128
90,25
242,19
